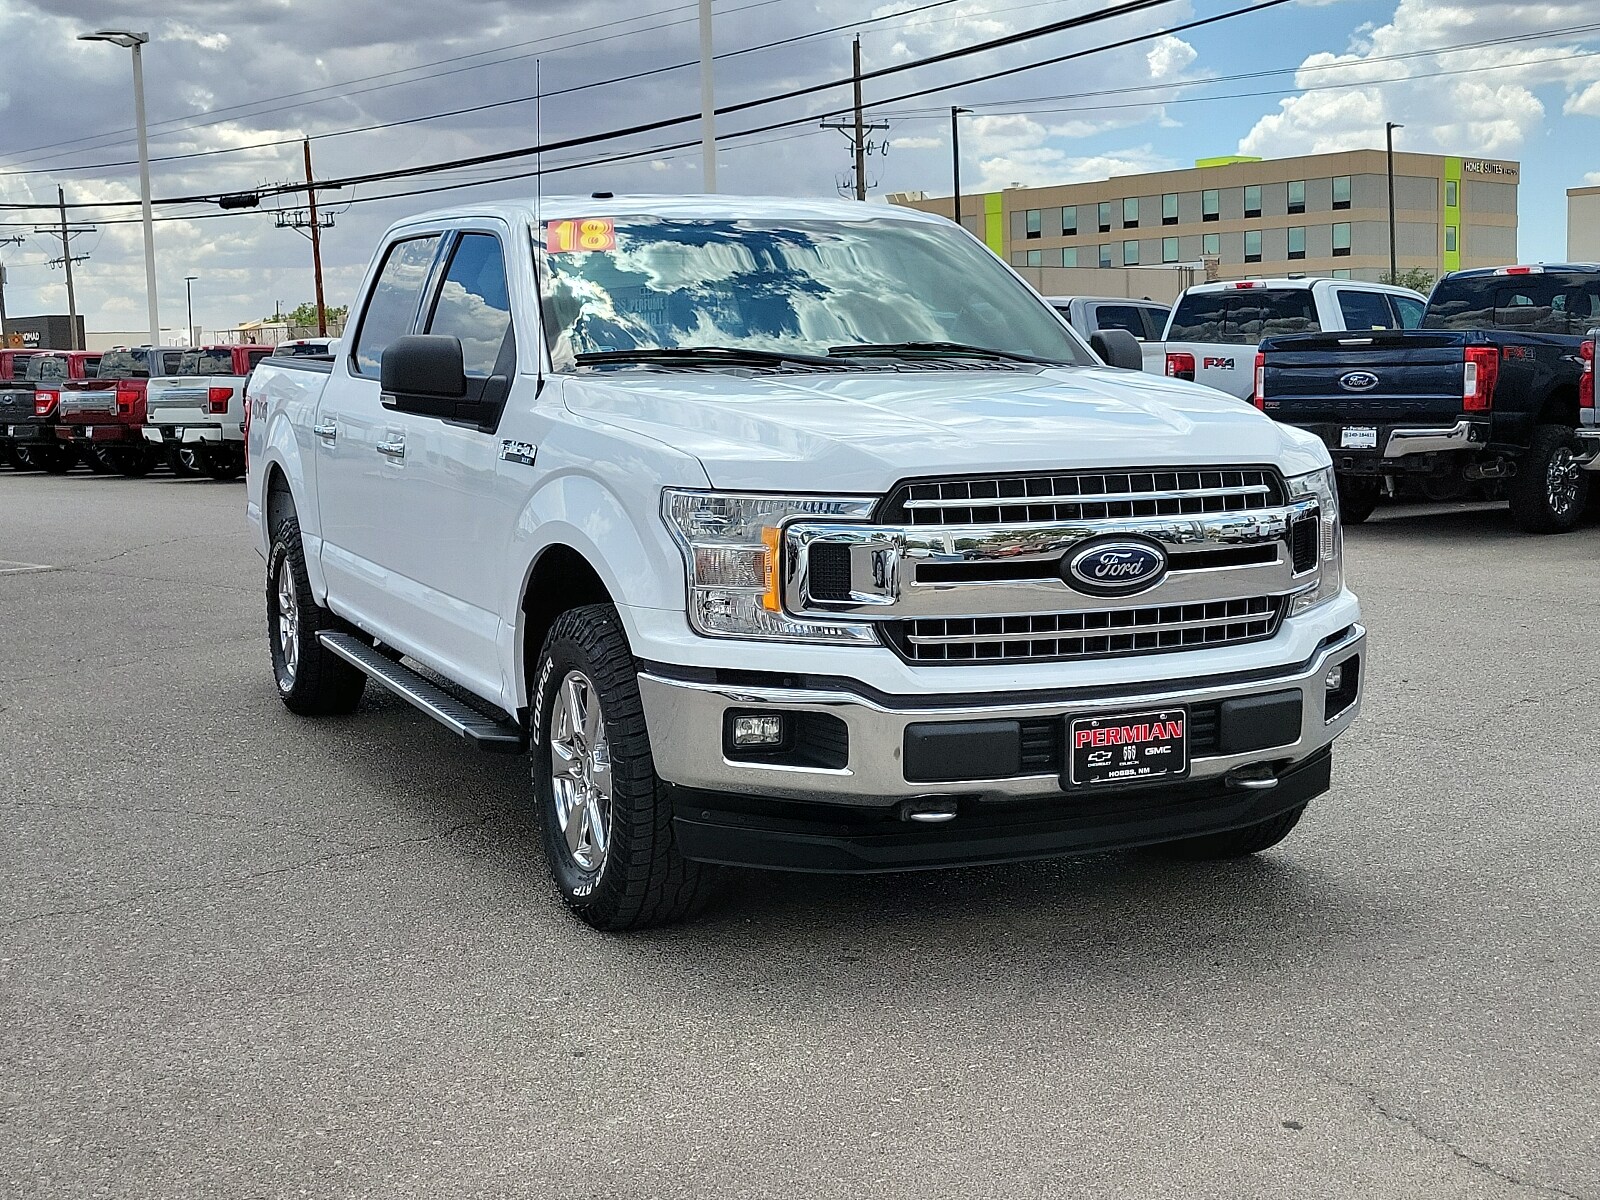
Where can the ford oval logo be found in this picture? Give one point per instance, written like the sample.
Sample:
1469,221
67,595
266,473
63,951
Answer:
1109,567
1358,381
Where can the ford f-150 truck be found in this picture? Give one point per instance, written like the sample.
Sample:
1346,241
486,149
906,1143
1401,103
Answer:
103,418
200,409
1498,383
1214,329
1144,321
799,535
30,407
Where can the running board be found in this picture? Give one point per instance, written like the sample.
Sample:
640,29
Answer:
500,736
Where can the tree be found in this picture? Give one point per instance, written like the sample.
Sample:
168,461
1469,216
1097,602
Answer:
305,315
1415,278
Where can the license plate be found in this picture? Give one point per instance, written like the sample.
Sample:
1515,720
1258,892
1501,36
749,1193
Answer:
1358,437
1128,747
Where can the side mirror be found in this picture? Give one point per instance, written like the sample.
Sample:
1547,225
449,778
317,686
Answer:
423,373
1116,348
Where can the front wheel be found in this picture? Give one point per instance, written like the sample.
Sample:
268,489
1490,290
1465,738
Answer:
1235,843
605,815
1550,489
1358,498
312,680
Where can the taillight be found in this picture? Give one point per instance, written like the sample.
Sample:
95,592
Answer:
127,400
1180,366
1259,396
44,403
1478,376
218,398
1586,379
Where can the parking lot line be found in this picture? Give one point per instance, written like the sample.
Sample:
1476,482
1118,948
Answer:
21,568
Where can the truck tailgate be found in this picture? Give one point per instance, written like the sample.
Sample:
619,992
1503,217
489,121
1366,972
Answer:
78,401
1379,377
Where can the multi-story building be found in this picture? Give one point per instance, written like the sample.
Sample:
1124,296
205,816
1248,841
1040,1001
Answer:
1237,218
1583,224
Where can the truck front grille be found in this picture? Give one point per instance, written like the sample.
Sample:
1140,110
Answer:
1084,496
1104,633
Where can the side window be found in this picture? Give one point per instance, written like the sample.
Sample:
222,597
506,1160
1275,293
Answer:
1120,316
392,307
1409,311
1198,318
1365,310
473,303
1155,320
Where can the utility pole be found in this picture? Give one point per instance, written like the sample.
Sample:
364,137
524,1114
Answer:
708,104
316,244
955,159
858,129
1394,259
6,241
66,233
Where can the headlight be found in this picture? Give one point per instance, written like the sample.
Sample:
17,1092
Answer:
1320,486
734,550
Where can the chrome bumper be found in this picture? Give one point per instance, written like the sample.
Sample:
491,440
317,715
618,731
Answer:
1589,449
1463,435
188,435
686,719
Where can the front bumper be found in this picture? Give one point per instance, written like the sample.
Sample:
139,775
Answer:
687,717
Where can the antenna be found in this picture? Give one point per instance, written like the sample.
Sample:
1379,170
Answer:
538,223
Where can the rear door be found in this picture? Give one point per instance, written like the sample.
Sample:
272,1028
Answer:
358,445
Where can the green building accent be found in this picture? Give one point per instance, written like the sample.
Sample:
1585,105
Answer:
1452,214
994,233
1226,160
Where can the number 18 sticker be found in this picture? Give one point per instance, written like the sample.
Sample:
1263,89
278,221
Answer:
589,233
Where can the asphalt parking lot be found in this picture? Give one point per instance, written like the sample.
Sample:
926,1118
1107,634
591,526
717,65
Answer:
247,955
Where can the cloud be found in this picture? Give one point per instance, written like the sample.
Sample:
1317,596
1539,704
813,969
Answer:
915,143
1169,57
1477,111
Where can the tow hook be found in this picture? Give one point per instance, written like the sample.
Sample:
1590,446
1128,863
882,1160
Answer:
929,810
1257,778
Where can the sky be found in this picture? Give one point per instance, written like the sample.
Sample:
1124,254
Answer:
1478,78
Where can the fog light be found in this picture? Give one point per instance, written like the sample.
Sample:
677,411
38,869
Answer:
758,730
1335,679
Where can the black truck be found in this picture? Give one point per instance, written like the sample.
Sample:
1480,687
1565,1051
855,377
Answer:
1497,384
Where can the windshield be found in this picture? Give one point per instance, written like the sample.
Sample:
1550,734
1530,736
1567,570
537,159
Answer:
792,287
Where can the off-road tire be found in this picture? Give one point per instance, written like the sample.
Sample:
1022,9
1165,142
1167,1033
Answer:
133,461
1545,473
1234,843
643,879
318,682
184,469
95,460
223,467
1358,498
55,460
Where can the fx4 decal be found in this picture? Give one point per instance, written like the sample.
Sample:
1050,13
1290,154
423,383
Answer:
1221,364
518,452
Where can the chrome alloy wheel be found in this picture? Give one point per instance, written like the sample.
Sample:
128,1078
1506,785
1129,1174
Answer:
1562,480
288,620
580,771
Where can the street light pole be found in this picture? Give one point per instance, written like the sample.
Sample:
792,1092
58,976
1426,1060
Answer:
130,40
1394,260
188,294
955,159
708,104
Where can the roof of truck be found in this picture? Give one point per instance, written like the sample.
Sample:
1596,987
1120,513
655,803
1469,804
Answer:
1529,269
1303,281
703,208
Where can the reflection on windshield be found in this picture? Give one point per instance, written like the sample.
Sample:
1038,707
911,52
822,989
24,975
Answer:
790,287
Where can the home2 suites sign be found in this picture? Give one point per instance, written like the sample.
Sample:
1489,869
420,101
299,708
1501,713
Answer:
1482,166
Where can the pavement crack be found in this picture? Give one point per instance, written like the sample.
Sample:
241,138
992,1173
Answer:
250,876
188,537
203,814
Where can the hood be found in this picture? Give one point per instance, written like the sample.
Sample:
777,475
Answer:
863,431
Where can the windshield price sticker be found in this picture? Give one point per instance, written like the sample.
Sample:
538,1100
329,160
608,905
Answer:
588,233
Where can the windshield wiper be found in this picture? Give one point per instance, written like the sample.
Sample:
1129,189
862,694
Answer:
934,350
715,356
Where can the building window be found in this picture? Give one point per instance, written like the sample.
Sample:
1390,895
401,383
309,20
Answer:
1105,255
1169,249
1130,213
1297,241
1035,258
1211,243
1297,196
1341,240
1069,257
1252,200
1130,254
1450,239
1342,273
1169,208
1032,218
1252,245
1069,221
1452,191
1105,216
1209,208
1341,191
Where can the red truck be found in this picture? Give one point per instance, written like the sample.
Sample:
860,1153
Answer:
103,418
30,396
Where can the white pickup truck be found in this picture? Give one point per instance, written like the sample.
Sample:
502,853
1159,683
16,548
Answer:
799,535
1214,329
197,415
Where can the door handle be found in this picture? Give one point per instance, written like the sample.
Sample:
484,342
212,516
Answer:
327,432
393,449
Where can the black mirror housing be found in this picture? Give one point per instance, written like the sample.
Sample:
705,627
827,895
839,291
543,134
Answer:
423,367
1116,348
